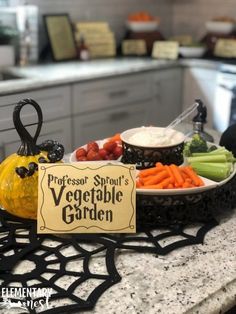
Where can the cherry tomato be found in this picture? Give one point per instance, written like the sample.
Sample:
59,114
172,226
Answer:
111,157
102,153
93,155
109,146
80,152
118,151
92,146
82,158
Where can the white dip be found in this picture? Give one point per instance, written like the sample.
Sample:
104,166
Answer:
152,137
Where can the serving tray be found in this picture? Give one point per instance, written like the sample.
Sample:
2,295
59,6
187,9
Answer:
169,207
203,206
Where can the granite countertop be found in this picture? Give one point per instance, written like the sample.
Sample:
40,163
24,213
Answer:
46,75
195,279
198,279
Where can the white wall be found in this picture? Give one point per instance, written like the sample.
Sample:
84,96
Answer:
177,16
113,11
189,16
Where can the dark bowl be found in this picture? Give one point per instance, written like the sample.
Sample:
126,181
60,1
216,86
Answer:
146,156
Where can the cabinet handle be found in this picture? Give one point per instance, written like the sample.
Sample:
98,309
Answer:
120,93
2,153
118,116
157,89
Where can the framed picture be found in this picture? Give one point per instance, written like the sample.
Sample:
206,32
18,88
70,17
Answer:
61,37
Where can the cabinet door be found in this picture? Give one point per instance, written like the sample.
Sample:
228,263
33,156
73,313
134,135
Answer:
200,83
54,102
167,90
110,93
99,125
56,130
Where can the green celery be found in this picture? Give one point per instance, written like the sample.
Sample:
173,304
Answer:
228,155
219,150
208,158
213,171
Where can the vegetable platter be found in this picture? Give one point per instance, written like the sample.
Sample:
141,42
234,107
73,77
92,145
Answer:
188,189
210,165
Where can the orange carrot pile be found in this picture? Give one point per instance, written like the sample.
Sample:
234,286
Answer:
168,177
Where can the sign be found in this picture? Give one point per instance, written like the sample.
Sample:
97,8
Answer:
134,47
165,50
183,40
225,48
61,37
86,198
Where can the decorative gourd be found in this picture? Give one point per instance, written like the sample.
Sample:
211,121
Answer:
19,172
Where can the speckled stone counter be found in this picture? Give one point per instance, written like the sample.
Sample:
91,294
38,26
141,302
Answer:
46,75
195,279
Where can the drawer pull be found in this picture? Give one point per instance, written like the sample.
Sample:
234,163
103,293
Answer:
2,153
120,93
119,116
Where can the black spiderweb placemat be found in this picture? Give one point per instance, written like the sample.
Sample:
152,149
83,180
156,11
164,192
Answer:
78,267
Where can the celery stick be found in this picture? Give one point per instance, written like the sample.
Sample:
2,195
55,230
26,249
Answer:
228,155
218,150
208,158
206,154
226,166
223,151
213,171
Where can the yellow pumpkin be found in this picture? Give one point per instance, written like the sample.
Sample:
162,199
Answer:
19,171
19,196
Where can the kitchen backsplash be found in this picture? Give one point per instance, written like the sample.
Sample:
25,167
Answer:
177,16
113,11
189,16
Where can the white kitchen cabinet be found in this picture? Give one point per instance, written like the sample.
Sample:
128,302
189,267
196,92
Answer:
104,107
111,92
55,103
104,123
167,93
59,130
200,83
56,107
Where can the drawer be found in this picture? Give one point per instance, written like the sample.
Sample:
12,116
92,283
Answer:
167,74
55,103
59,130
163,76
109,93
98,125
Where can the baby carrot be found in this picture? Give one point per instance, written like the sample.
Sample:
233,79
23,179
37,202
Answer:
195,178
147,178
159,165
188,180
165,183
141,181
177,175
170,174
157,178
183,174
115,138
187,184
153,186
138,184
148,172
